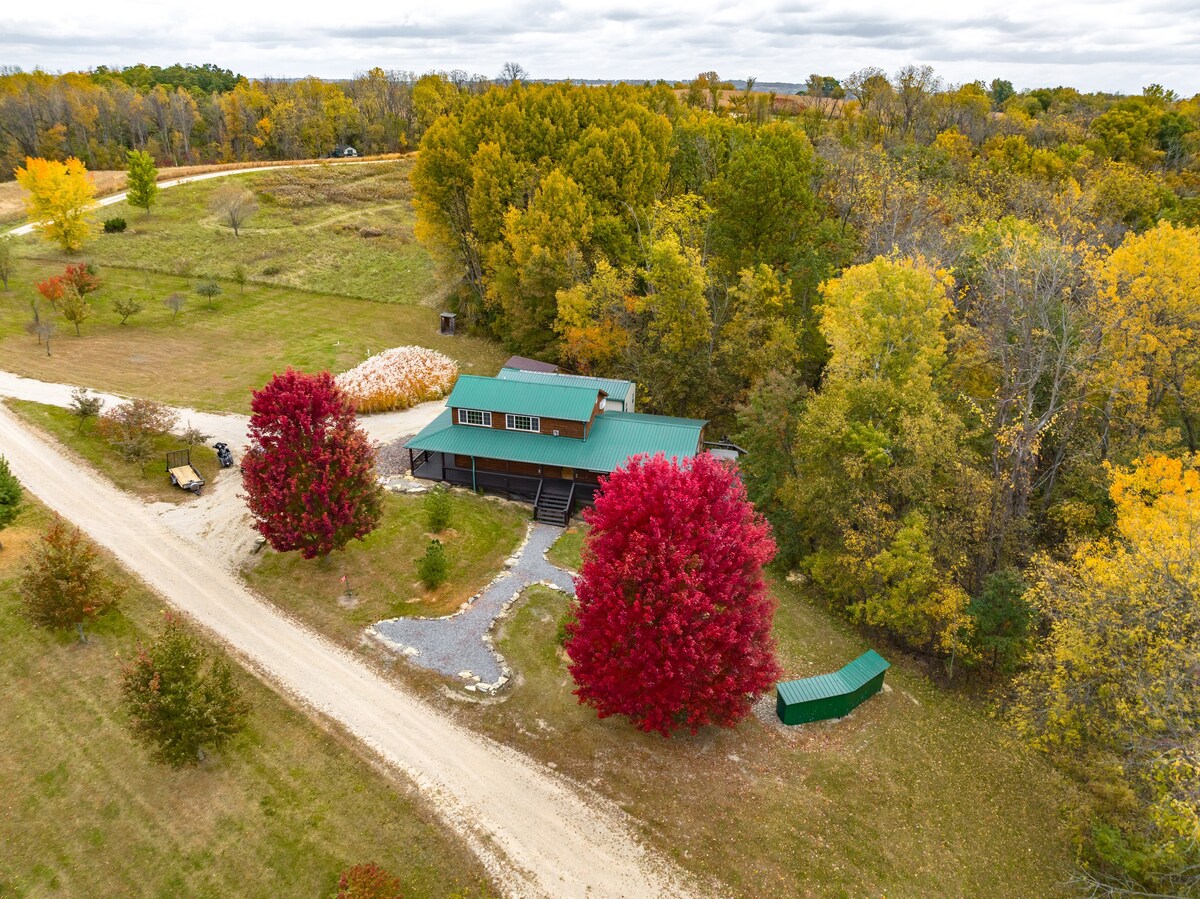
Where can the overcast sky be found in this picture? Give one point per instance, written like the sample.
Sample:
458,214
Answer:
1113,46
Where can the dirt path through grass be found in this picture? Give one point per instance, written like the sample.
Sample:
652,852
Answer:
538,835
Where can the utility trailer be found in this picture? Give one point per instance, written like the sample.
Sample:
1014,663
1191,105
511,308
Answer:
179,467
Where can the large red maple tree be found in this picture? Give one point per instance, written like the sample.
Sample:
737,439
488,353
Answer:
309,472
672,619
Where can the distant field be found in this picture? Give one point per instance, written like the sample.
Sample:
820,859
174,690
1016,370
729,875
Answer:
307,234
85,812
212,359
107,181
916,794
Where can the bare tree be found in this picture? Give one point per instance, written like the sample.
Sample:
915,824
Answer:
510,72
234,205
175,302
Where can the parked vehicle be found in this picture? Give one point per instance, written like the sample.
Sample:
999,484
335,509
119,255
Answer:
224,454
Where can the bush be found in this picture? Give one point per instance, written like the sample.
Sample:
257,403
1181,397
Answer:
437,509
114,225
180,699
64,585
433,567
131,426
368,881
272,270
398,378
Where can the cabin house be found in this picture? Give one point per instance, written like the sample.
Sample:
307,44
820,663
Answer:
546,440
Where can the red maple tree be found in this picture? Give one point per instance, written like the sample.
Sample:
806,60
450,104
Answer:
81,276
672,619
309,472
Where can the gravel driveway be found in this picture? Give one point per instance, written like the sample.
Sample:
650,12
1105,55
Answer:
460,645
538,834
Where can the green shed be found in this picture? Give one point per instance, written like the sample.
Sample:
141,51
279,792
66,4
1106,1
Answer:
830,695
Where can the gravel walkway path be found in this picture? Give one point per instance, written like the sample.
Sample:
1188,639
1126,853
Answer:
460,645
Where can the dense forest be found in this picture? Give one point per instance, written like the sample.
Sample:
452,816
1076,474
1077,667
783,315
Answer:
956,330
954,326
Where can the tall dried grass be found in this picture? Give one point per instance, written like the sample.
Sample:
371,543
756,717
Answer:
398,379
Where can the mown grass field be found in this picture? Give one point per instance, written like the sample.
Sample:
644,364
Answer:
382,568
307,234
150,482
85,812
212,359
917,793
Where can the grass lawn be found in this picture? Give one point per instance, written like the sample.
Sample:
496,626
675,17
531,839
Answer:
84,811
151,483
915,794
212,359
566,550
381,569
307,233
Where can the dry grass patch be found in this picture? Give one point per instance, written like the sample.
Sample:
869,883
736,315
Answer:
211,360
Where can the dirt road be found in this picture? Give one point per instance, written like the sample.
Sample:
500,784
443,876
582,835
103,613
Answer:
538,834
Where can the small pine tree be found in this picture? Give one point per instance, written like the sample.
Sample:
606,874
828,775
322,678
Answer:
63,585
433,566
10,496
368,881
437,509
141,180
181,699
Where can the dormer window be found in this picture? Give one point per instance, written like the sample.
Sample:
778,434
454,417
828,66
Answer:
475,417
523,423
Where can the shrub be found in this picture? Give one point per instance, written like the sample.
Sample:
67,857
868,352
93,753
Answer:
131,426
433,567
63,585
114,225
399,378
437,509
368,881
272,270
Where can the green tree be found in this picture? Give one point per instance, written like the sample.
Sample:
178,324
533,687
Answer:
127,308
6,260
85,405
238,277
10,496
437,509
74,306
433,567
208,288
64,585
182,699
141,185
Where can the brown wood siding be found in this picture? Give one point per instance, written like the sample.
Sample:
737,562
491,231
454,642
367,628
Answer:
565,428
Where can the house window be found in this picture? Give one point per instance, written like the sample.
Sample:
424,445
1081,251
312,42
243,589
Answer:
474,417
523,423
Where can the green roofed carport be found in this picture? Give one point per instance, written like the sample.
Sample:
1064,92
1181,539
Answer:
830,695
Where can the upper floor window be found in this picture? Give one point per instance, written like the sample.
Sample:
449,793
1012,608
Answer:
475,417
523,423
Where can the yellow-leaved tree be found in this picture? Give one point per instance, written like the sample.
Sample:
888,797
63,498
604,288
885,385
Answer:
61,195
1148,305
1114,689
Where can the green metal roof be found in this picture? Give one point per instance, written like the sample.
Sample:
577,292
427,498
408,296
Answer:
839,683
569,402
615,388
614,437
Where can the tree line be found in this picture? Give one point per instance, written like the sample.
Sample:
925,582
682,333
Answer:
182,115
955,328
